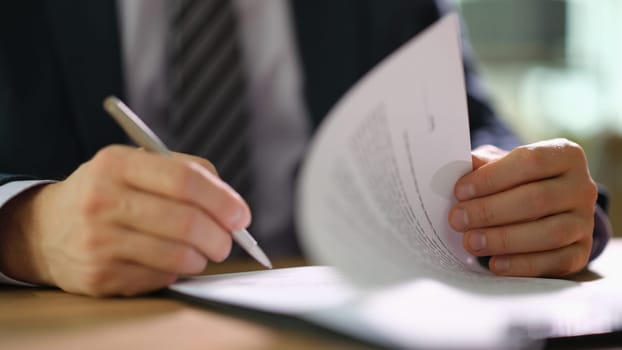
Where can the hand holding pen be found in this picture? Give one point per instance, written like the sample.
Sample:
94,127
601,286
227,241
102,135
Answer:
124,222
144,137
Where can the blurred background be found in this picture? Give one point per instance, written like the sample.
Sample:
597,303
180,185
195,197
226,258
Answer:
554,69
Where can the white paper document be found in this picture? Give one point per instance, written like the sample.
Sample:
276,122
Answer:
376,187
426,313
373,200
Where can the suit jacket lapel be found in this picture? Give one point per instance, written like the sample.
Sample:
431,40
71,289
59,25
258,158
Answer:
87,37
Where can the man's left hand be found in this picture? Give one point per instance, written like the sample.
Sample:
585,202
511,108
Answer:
530,209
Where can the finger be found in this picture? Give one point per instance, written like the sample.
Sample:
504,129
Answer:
486,154
556,263
155,253
202,161
174,221
189,157
520,166
179,180
478,162
527,202
125,279
546,234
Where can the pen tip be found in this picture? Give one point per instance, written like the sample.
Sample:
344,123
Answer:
263,258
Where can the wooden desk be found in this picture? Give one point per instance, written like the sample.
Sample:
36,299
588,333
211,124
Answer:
32,318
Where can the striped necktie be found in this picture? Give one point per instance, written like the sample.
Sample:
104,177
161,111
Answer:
207,115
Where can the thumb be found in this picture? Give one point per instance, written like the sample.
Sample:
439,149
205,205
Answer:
483,155
478,161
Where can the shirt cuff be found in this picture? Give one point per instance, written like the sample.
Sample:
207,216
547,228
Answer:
602,232
8,192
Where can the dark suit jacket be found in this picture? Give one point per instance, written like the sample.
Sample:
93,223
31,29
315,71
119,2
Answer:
59,59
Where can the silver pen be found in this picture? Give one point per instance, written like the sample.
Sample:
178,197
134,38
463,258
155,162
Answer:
140,133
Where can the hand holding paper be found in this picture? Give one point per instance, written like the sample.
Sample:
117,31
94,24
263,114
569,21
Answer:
531,209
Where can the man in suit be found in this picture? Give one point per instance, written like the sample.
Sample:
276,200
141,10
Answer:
117,220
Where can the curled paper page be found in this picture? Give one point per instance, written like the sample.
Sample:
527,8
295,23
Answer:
377,185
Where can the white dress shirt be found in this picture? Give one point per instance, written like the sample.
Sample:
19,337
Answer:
279,126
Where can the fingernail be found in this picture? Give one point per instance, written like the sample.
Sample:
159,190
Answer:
501,264
459,220
477,241
465,191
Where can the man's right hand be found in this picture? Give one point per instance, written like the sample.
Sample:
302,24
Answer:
125,222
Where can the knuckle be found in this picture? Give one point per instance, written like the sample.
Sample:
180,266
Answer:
585,228
125,206
92,244
572,148
93,198
567,265
488,181
583,257
591,192
486,215
558,234
108,158
530,158
206,164
574,261
587,248
93,202
573,152
503,241
187,224
578,263
210,166
181,180
181,259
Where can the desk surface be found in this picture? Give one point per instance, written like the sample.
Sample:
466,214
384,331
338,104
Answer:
32,318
